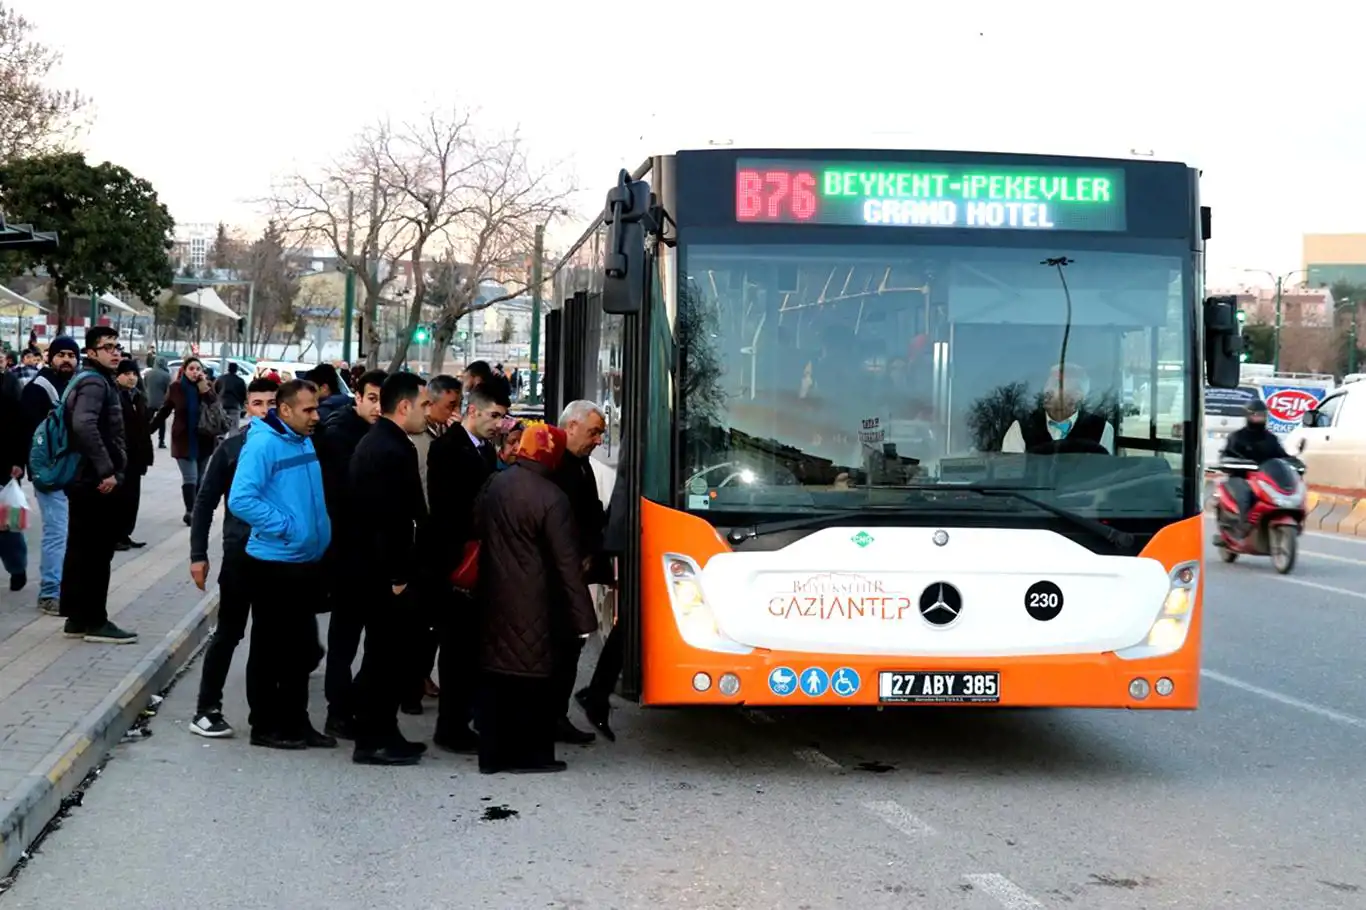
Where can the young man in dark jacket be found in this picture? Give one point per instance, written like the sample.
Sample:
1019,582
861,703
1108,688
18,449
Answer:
337,439
138,444
278,490
95,421
39,398
386,492
457,465
234,587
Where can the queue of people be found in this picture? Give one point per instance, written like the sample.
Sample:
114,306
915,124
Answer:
434,530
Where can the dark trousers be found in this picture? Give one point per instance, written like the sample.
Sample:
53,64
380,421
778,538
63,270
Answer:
382,679
129,495
234,607
456,665
343,642
426,642
92,531
566,674
284,644
608,670
517,716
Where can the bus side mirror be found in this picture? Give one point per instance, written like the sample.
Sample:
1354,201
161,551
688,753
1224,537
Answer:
1223,342
628,204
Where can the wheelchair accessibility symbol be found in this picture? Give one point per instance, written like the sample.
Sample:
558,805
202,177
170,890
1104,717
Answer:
845,682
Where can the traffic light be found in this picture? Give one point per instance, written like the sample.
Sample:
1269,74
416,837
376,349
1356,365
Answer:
1242,358
463,334
1242,317
420,334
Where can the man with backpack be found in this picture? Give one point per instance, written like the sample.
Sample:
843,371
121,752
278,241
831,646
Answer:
39,397
92,415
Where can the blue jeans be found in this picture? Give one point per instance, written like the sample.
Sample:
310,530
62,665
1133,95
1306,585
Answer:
14,552
54,511
192,470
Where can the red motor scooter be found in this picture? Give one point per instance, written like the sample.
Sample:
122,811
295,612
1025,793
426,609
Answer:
1276,519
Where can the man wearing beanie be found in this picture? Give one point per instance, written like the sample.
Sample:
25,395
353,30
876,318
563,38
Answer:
41,396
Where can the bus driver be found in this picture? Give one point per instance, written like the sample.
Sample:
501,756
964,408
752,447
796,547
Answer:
1061,416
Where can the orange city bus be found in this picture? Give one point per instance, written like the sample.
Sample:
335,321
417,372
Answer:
868,430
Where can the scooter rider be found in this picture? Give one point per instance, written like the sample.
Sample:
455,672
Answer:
1254,443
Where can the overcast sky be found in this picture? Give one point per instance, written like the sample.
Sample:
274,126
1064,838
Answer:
212,101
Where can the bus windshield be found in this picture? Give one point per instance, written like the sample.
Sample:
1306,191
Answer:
853,376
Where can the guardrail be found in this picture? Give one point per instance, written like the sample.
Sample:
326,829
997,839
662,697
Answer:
1331,510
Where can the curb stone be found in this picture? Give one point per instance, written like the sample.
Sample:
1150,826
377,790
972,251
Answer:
35,802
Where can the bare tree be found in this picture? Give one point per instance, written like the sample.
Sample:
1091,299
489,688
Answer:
405,192
352,206
34,118
264,263
493,213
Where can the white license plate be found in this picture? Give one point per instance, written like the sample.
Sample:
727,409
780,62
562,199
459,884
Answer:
936,687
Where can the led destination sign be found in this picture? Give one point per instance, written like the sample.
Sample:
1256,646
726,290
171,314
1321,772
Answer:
1022,198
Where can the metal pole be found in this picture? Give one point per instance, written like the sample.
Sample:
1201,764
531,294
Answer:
94,309
349,308
1352,337
251,314
1276,336
537,255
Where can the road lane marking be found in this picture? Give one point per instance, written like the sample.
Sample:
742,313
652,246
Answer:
818,759
896,816
1342,537
1007,893
1314,584
1288,700
1317,555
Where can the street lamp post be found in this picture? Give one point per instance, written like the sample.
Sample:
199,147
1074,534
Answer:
537,254
1276,333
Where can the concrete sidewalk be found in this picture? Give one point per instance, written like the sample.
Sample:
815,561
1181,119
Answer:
65,703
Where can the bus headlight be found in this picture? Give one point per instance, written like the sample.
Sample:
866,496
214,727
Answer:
692,613
1168,632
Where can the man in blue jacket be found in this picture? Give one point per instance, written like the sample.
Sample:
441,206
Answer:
278,492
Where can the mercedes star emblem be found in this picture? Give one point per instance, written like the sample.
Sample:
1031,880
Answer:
940,604
940,538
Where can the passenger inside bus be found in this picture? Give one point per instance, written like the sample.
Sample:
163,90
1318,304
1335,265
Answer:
1062,422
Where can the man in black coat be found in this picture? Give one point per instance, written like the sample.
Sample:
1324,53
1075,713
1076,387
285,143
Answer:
386,494
458,464
336,440
584,425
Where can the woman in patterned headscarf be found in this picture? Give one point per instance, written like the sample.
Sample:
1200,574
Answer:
530,593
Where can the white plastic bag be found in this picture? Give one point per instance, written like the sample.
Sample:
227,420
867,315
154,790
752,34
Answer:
13,507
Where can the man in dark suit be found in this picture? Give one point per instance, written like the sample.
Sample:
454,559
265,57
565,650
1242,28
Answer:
386,491
458,464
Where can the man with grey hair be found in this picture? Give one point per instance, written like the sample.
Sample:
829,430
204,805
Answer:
584,425
1062,416
445,393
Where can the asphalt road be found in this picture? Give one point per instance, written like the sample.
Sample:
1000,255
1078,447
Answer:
1256,800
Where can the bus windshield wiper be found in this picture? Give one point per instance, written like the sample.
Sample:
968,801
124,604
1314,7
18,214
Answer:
1106,533
740,534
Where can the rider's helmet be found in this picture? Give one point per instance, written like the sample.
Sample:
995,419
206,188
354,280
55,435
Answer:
1256,412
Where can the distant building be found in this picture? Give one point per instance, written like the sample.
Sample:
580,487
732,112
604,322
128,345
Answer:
1330,258
1299,306
192,243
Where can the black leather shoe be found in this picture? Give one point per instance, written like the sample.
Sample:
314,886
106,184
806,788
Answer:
389,755
276,741
340,727
598,711
315,740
